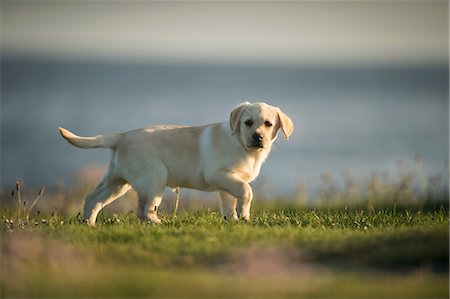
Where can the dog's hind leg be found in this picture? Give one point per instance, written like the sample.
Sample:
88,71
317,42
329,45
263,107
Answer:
105,193
148,206
150,188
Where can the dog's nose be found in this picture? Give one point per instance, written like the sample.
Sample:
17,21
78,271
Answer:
257,137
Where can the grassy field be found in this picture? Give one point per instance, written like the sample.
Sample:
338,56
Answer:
285,251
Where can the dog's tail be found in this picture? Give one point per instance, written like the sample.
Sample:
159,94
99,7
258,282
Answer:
108,141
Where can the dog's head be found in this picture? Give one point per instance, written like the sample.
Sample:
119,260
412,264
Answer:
257,124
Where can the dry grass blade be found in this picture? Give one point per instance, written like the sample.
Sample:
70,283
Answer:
41,191
18,197
177,201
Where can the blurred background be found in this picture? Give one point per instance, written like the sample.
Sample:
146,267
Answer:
366,84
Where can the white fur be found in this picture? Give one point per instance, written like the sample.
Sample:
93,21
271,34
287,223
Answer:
217,157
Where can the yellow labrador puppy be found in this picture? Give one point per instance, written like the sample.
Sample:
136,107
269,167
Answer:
223,157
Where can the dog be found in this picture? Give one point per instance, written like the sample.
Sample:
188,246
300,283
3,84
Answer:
222,157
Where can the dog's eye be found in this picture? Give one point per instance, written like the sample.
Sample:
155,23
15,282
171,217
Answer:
268,124
249,122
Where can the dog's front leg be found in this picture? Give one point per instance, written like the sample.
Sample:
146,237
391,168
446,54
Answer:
235,186
228,206
243,208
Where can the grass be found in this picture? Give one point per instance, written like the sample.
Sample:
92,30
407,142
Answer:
387,237
283,252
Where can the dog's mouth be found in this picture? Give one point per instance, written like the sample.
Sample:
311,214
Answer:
255,146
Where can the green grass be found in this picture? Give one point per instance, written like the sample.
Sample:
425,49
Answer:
281,253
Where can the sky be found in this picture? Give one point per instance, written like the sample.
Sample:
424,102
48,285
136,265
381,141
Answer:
287,33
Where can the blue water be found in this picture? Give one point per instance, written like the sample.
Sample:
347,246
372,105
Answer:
360,120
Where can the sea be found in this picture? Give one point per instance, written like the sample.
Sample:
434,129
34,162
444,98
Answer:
349,120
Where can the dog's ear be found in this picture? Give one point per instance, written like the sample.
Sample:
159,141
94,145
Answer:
286,124
235,116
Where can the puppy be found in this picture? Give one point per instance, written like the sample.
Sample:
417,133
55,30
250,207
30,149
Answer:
222,157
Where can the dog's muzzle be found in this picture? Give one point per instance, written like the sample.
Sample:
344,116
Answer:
257,141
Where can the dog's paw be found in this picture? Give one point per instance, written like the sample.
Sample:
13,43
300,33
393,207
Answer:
246,218
232,217
89,222
153,218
